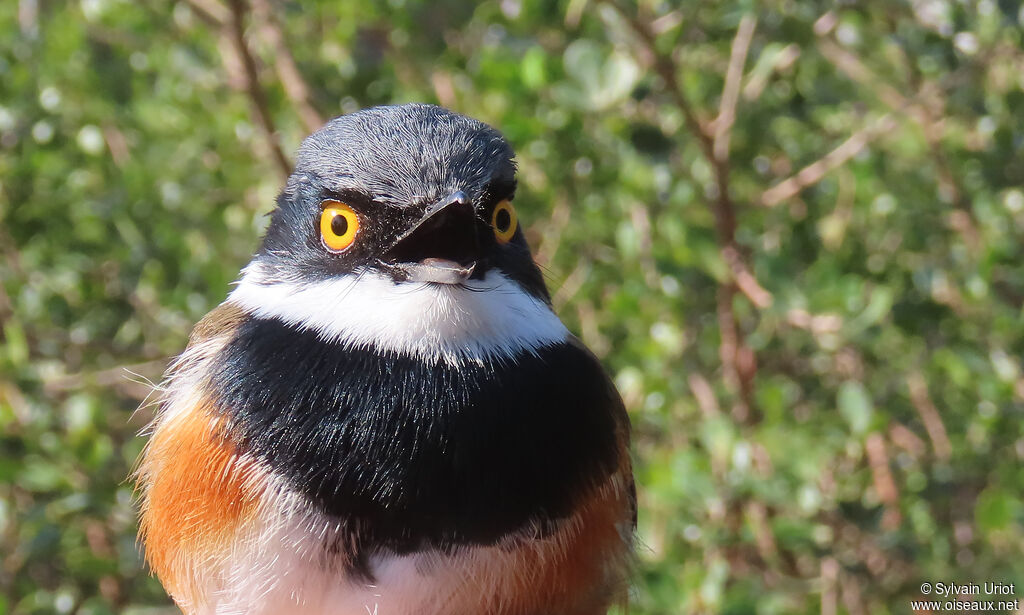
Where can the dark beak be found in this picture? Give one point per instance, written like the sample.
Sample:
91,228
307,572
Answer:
441,247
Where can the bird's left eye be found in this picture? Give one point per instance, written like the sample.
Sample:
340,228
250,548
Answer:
504,221
339,225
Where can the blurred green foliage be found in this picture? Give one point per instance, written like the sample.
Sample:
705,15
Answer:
827,398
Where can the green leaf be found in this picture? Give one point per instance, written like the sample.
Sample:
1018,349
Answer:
996,509
855,405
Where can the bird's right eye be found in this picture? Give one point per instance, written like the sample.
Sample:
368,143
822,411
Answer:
339,225
504,221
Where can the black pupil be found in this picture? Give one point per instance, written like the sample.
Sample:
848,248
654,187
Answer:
339,225
503,219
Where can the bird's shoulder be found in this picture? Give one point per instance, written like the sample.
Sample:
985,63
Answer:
219,322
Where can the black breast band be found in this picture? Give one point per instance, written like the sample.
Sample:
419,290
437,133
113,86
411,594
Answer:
416,454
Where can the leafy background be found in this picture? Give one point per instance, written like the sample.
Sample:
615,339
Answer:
789,229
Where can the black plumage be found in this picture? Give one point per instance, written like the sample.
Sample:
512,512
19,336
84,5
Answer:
417,454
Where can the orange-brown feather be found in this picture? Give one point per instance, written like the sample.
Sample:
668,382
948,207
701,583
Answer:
588,572
198,491
580,580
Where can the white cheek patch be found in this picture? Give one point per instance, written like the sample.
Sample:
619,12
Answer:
492,317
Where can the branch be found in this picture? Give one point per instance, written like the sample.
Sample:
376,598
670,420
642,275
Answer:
818,324
829,577
666,69
703,393
814,172
288,72
760,523
234,31
444,88
885,486
902,437
853,598
211,11
722,206
758,81
931,123
856,70
739,363
731,89
853,68
744,278
929,416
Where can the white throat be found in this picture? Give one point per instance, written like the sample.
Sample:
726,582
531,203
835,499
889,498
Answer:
489,318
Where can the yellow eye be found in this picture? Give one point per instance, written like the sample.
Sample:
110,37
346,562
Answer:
504,221
338,225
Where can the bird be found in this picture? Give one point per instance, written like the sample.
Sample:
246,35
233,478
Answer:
385,416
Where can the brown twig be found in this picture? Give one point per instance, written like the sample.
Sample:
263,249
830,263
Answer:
929,416
704,394
962,219
757,82
738,364
210,11
444,87
234,31
818,324
885,486
852,66
15,400
666,69
902,437
853,598
731,90
829,578
116,143
240,66
757,515
817,170
856,70
744,278
930,121
722,205
295,86
738,361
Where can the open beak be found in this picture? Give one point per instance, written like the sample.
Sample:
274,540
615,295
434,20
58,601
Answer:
441,247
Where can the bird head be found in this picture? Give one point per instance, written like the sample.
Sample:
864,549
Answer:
393,219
